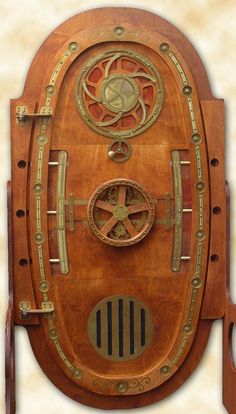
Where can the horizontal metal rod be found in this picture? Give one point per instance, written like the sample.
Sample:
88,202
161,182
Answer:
52,163
185,162
51,212
185,258
54,260
187,210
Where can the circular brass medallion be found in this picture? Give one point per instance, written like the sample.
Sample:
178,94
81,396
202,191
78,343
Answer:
119,93
121,212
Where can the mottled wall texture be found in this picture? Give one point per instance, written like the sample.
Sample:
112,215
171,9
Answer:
210,25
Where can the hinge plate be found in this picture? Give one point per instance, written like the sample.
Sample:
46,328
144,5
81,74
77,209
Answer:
22,113
47,309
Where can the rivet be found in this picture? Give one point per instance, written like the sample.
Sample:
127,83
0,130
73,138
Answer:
73,47
187,90
165,370
200,235
119,31
39,238
196,139
164,47
77,373
44,286
200,186
49,90
53,333
187,329
196,282
42,139
122,387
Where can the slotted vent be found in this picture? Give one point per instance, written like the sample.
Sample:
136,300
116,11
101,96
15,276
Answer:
120,328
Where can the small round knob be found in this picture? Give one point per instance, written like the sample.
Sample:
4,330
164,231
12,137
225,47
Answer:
111,154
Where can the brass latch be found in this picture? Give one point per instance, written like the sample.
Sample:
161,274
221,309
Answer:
22,113
46,310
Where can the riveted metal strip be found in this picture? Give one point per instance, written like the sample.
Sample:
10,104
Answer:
44,285
178,227
61,225
196,282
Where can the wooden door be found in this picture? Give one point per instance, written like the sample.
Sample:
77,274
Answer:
112,149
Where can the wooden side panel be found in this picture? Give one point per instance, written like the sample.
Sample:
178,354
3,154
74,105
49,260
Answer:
214,298
20,152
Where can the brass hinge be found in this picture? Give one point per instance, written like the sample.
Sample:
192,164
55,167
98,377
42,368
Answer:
47,309
22,113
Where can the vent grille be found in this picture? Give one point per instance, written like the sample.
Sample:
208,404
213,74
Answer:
120,328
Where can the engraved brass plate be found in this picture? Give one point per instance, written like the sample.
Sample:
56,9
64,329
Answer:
119,93
120,328
121,212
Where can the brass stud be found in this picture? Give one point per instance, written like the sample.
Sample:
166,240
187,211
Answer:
73,47
187,329
42,139
187,90
165,370
200,187
119,31
37,188
49,90
77,373
44,286
122,387
200,235
164,48
53,333
196,282
196,138
39,238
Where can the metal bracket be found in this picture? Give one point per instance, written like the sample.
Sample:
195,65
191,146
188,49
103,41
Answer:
46,310
22,113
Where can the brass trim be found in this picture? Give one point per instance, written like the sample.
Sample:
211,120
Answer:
178,226
196,282
168,212
26,310
44,285
122,387
61,219
22,113
71,212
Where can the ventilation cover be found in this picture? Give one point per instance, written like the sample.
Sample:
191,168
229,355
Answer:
120,328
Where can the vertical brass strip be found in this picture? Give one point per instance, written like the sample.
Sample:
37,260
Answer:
61,227
178,227
71,212
168,216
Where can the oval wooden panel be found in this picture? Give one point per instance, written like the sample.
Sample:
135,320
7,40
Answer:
118,240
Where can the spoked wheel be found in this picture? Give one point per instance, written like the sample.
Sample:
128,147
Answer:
121,212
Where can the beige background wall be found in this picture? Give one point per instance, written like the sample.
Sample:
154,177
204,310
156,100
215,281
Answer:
24,24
